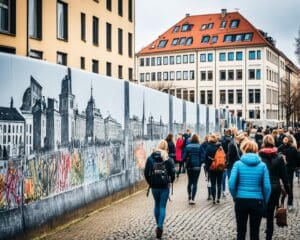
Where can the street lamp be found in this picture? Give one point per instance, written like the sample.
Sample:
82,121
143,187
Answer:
151,127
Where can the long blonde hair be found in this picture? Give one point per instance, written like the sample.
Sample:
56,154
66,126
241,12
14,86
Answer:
162,147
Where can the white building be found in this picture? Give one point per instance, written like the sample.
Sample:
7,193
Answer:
220,60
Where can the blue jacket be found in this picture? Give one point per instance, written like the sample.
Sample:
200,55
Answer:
192,155
250,178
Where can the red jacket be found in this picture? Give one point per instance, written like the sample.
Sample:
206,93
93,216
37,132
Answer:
179,147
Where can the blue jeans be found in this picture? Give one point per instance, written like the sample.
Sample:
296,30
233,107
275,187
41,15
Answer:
216,182
161,197
224,180
193,176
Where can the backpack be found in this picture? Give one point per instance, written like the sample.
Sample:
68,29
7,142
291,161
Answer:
218,163
159,174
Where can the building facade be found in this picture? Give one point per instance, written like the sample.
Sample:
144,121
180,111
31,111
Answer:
94,35
220,60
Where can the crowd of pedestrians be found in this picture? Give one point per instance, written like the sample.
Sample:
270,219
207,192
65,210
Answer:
260,165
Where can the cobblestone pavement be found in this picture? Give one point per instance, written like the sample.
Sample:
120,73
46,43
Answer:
133,218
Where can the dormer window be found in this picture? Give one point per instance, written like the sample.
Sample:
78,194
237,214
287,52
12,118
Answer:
228,38
205,39
182,41
248,37
234,23
203,27
162,43
239,37
214,39
223,24
189,41
175,41
176,29
210,25
186,27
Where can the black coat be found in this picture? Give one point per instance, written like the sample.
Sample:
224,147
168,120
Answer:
292,157
171,149
233,155
210,153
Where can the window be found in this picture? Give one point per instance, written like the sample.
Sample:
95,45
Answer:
83,29
209,57
120,72
189,41
192,58
239,56
62,20
185,58
192,75
130,45
182,41
234,23
239,96
142,62
222,75
203,57
239,37
230,74
61,58
222,57
257,95
147,77
251,114
231,56
185,95
203,26
158,76
120,8
96,30
186,27
153,75
35,18
162,43
147,61
209,75
192,96
258,54
185,75
210,25
158,60
178,93
205,39
108,37
230,96
222,97
120,41
82,62
8,16
210,97
7,50
250,96
214,39
258,74
178,59
202,97
166,60
203,75
248,37
95,66
35,54
251,74
223,24
239,74
130,74
108,69
153,61
130,10
166,76
176,29
172,75
175,41
178,75
108,5
251,55
228,38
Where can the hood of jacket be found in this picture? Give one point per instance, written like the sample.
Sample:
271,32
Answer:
250,159
268,152
160,153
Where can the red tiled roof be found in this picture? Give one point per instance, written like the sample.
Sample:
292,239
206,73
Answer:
197,21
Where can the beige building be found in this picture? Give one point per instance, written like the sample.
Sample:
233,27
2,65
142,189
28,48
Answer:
94,35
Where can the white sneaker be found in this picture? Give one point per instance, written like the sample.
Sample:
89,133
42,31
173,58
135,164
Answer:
192,202
290,208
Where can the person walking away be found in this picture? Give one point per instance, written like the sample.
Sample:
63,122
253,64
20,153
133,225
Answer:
225,141
179,151
193,165
291,157
277,171
215,162
186,138
275,136
203,148
234,153
171,146
259,138
160,174
250,187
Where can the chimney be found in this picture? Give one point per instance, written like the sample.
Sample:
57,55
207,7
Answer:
187,15
11,102
223,12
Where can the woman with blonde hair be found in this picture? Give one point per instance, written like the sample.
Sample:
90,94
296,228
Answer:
250,187
160,173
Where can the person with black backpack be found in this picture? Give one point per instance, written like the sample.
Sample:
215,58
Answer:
277,171
192,158
225,141
160,174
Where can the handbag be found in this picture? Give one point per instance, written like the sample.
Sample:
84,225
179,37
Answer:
281,216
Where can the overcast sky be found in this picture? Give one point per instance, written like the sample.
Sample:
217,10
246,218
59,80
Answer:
279,18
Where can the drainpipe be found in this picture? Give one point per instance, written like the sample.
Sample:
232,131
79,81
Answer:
196,76
27,28
215,100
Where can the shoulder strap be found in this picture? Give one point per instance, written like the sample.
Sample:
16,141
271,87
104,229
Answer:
237,149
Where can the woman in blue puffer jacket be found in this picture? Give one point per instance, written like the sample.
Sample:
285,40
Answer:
250,187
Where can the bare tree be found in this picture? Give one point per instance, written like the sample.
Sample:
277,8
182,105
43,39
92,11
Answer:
297,52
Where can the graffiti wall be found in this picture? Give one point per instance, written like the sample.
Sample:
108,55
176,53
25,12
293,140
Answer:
62,128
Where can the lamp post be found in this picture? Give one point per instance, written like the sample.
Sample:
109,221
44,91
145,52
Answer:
151,127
